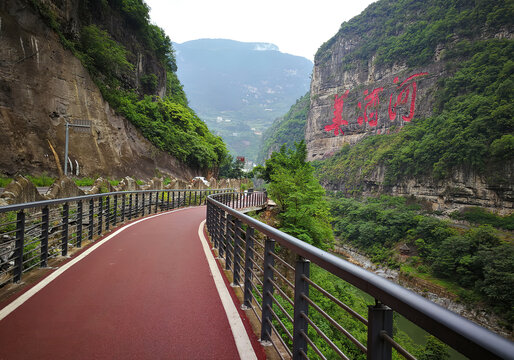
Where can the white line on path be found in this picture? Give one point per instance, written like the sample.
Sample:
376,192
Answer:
244,346
19,301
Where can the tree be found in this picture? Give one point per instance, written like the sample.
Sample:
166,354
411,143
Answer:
304,211
434,350
231,168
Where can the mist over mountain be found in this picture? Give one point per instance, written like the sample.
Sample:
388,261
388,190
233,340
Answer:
239,88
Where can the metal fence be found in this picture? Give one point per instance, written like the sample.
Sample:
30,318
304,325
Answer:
33,233
276,271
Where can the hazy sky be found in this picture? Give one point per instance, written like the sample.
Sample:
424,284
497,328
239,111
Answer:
297,27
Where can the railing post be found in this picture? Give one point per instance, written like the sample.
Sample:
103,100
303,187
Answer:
167,200
237,250
267,290
20,239
91,218
189,204
100,214
115,219
123,204
108,212
301,307
228,239
223,234
217,228
80,212
143,200
45,222
130,208
380,318
248,267
209,219
137,205
65,221
195,195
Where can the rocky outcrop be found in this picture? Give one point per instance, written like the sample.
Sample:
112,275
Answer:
43,85
354,96
20,190
127,184
347,105
463,189
100,185
63,188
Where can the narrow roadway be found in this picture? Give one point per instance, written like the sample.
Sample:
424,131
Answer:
145,293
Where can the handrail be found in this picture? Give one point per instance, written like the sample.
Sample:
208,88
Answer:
31,233
28,205
463,335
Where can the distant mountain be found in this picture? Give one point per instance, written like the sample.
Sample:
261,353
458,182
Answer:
287,129
239,88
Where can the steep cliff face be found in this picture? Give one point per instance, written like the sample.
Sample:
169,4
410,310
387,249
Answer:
390,67
43,85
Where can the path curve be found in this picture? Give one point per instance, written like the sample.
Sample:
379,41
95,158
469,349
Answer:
146,293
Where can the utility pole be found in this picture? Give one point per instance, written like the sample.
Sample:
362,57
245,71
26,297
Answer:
79,125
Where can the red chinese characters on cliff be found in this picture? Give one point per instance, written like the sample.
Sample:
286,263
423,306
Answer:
408,90
337,120
373,102
405,93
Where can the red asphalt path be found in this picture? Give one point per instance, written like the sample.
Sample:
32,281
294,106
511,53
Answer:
147,293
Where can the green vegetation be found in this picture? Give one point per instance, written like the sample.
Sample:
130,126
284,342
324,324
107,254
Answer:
479,216
167,122
304,211
477,260
84,181
411,30
231,168
41,180
4,181
471,128
172,127
304,214
288,129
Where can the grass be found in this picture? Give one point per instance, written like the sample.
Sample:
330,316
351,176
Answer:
41,180
447,285
479,216
4,181
84,181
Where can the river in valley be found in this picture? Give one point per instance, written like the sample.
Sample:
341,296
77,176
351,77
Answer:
417,334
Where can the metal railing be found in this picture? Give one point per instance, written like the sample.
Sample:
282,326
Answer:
278,273
33,233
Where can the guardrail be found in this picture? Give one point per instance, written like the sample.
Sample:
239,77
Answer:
275,271
33,233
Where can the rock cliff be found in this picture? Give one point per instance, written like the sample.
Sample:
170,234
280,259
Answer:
43,85
387,68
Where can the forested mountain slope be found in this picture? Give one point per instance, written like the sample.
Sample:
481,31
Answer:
416,98
286,129
103,61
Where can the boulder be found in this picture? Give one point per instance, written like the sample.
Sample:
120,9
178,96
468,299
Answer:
63,188
100,185
128,184
213,182
20,190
